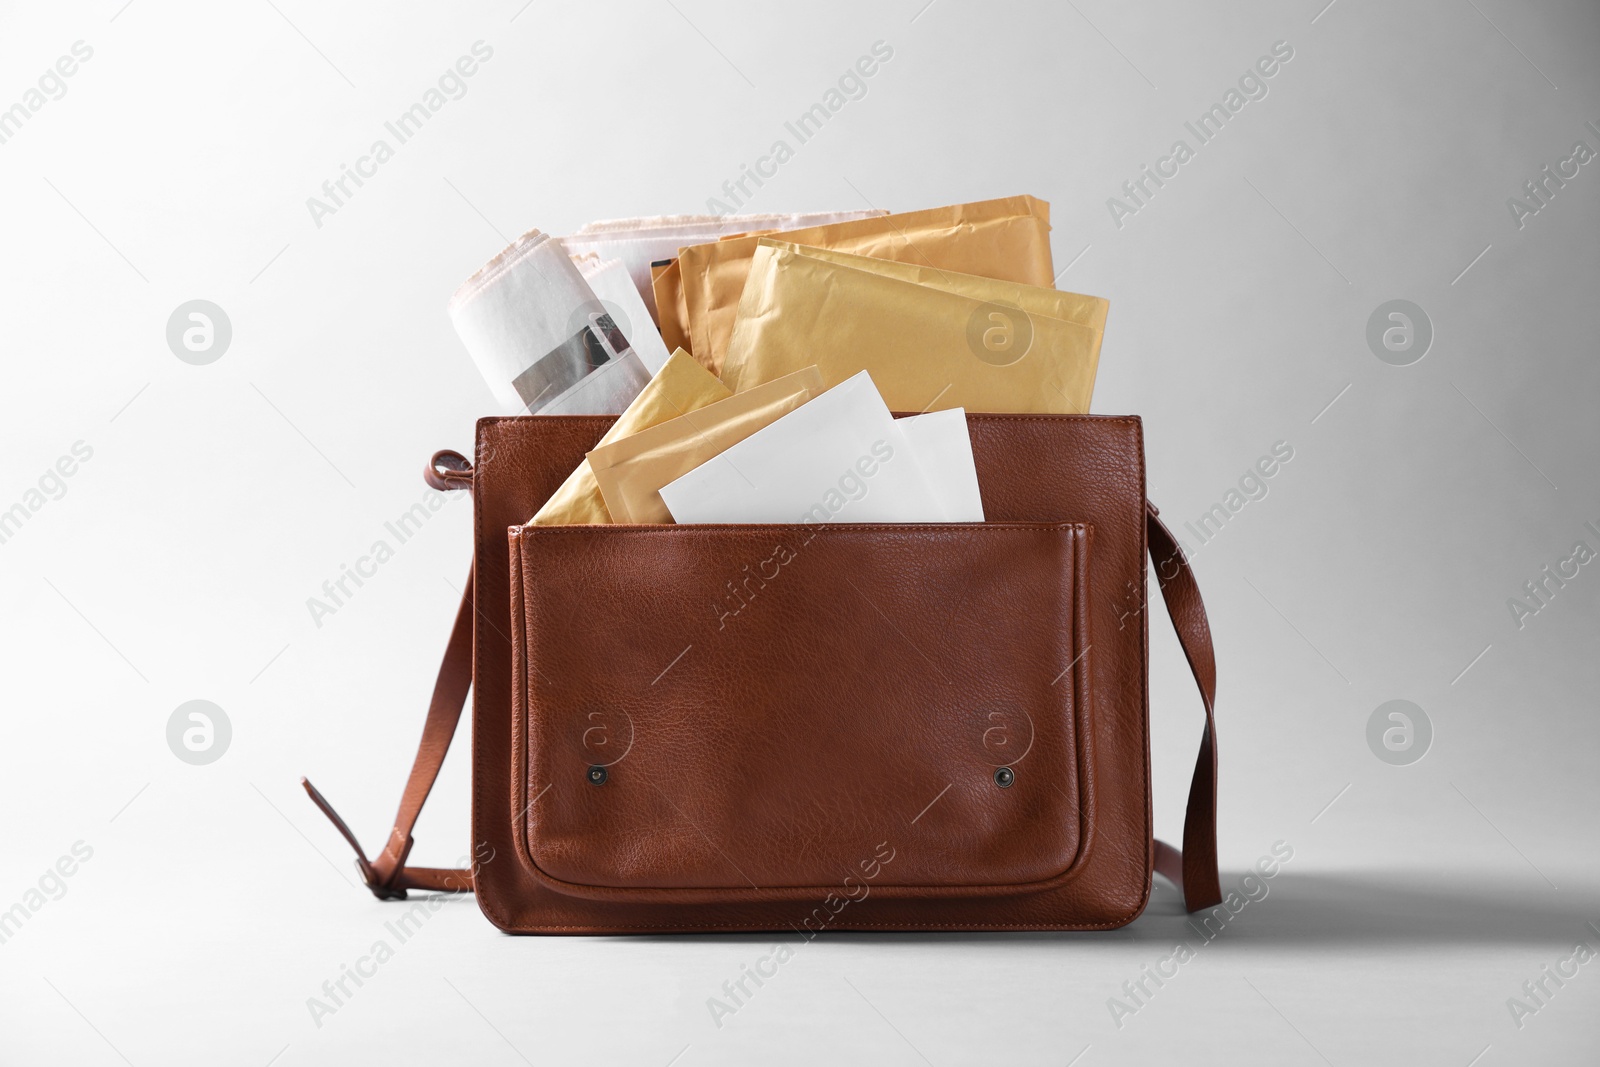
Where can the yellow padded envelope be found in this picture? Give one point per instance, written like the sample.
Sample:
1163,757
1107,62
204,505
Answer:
931,339
1007,239
680,386
1036,300
666,286
632,470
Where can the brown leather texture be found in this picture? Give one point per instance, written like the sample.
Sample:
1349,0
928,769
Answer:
764,699
818,758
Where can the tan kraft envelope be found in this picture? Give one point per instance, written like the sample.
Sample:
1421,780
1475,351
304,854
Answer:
1007,239
666,286
940,340
1036,300
680,386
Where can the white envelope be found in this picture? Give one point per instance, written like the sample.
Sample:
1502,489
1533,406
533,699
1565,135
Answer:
839,458
943,447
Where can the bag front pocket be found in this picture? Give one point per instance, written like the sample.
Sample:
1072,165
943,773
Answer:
753,712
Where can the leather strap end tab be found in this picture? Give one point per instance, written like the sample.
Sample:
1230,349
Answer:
369,874
387,874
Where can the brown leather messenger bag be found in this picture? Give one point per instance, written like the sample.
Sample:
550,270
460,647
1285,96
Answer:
814,727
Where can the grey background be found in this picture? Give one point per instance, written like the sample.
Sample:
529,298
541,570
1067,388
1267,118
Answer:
219,498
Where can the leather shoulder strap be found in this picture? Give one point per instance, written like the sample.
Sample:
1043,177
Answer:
1194,870
388,876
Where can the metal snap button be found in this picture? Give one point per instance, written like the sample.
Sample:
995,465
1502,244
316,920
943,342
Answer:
1004,777
597,775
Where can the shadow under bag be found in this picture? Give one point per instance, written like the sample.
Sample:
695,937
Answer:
931,726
